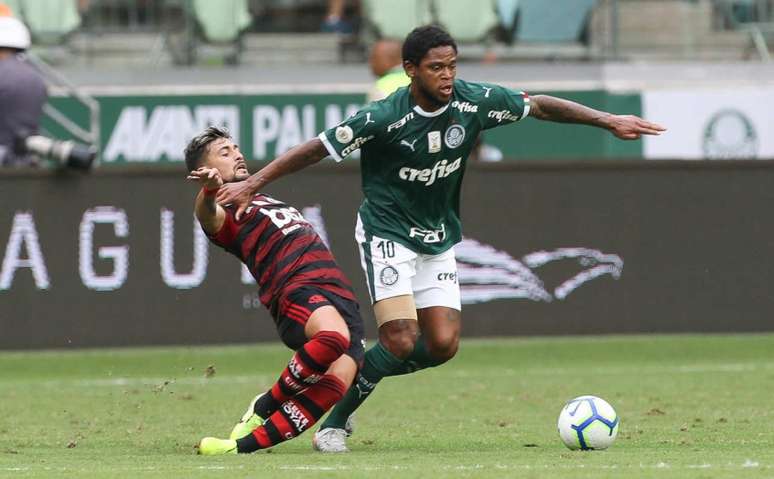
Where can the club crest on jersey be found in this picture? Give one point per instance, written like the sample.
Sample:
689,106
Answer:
454,136
434,142
389,276
344,134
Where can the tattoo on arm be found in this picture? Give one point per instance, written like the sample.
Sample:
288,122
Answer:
544,107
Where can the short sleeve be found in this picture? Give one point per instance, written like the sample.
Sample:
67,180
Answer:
352,133
503,106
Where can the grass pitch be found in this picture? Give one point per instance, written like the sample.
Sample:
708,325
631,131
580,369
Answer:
690,406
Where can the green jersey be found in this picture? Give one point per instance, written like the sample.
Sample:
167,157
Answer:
413,161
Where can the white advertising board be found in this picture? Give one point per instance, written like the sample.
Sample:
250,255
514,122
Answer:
711,124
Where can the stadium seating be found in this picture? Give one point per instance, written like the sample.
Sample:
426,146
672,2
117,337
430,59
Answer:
222,21
464,23
506,12
396,18
552,22
49,21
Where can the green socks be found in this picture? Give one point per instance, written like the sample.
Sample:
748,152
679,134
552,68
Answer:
420,358
378,363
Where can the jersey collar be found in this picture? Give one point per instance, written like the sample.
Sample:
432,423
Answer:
430,114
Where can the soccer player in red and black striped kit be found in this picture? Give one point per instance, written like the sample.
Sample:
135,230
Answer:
309,297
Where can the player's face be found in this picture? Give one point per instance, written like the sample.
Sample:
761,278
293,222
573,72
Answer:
225,156
434,76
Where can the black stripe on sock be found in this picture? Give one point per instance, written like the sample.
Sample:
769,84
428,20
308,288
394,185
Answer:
315,410
311,363
265,405
247,444
271,430
286,390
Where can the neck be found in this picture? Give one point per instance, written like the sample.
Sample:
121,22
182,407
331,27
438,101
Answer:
425,101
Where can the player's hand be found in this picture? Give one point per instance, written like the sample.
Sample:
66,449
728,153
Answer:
631,127
238,194
207,177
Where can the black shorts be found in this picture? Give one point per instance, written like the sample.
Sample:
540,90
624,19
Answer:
293,311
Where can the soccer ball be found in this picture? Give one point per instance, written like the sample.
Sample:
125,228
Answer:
588,422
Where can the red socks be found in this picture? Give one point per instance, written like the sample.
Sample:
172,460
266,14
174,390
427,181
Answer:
309,364
295,415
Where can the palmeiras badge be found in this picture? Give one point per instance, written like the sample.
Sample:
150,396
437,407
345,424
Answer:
388,276
730,134
454,136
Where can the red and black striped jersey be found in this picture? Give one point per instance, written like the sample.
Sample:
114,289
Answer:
281,249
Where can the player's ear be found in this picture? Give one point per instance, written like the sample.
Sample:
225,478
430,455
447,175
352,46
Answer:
409,68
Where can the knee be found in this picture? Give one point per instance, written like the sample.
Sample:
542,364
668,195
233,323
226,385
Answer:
443,348
334,342
343,331
399,337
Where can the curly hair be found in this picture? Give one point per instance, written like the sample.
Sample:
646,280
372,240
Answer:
422,39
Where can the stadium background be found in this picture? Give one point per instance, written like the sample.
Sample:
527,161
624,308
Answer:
599,244
572,231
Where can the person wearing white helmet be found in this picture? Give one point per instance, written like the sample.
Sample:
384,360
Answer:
22,91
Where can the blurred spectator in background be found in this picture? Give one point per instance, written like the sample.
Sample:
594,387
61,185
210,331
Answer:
22,90
387,66
334,18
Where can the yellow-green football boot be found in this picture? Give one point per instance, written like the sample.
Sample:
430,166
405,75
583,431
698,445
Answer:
212,446
249,421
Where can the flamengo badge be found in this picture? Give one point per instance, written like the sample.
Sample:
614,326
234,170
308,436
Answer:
454,136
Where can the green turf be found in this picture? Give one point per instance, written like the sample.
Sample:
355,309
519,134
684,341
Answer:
690,406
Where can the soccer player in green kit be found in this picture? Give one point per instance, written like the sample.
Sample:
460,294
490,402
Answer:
414,147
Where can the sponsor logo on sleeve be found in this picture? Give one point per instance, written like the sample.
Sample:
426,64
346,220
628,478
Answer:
359,141
503,115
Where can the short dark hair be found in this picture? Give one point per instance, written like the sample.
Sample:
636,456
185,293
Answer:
423,39
198,145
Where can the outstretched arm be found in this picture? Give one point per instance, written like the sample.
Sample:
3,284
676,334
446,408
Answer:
626,127
210,215
297,158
